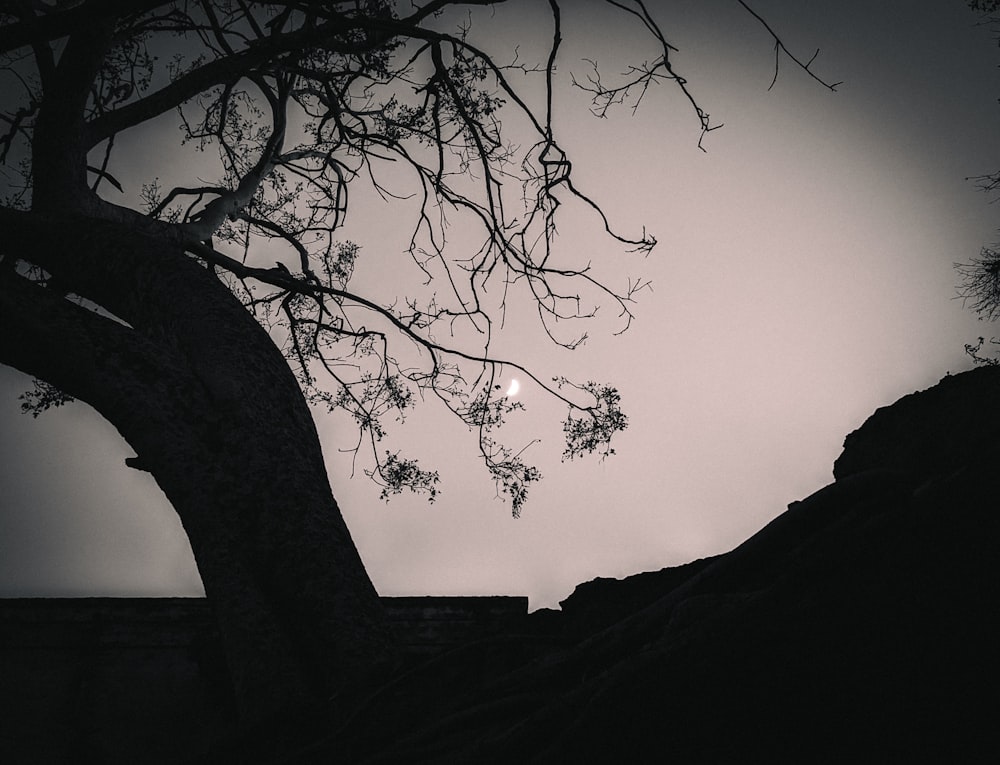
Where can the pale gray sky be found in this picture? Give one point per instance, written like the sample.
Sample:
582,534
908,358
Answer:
803,278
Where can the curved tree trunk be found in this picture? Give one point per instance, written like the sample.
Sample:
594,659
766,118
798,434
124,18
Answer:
199,390
210,406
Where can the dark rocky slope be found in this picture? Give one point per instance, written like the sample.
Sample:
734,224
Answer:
858,626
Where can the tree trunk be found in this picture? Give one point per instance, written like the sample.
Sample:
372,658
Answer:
210,406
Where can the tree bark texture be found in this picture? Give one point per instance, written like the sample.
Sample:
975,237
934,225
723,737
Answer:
199,390
127,321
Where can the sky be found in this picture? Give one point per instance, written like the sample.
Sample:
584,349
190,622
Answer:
803,278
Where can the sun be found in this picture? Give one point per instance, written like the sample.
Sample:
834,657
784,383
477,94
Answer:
514,387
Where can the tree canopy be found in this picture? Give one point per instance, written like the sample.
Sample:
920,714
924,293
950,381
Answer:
294,106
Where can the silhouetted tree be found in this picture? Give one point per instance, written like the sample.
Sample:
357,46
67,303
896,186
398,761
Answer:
200,319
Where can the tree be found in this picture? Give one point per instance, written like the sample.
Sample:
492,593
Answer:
201,320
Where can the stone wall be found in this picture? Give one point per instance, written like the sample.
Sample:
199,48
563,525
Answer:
118,679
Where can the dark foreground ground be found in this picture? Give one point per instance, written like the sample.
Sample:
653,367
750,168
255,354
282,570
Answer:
858,626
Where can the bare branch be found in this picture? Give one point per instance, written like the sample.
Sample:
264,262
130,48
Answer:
779,48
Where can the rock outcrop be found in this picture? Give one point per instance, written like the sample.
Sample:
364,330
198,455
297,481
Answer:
931,432
858,626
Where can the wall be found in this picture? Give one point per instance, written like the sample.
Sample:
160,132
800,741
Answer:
142,679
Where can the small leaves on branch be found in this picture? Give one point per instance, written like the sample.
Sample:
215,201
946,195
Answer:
510,474
42,397
980,283
975,353
394,474
589,429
